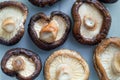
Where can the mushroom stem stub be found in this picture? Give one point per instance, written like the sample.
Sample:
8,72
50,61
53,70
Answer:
18,64
63,73
89,23
8,25
116,64
49,32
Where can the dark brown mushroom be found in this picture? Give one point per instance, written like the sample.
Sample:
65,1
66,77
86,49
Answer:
66,64
13,16
22,63
108,1
49,33
43,3
107,59
91,21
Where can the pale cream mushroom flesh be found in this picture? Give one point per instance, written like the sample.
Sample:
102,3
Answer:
52,31
11,21
8,25
21,64
116,64
66,65
89,23
91,20
49,32
110,60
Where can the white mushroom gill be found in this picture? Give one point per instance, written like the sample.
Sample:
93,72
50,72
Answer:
27,70
49,32
67,68
108,61
60,24
11,20
92,12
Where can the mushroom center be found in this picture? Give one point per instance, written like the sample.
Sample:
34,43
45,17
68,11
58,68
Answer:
18,64
63,72
8,25
49,32
116,64
89,23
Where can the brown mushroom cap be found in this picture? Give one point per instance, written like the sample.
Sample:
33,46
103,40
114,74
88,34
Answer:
25,59
108,1
43,3
12,26
106,59
66,64
97,24
41,20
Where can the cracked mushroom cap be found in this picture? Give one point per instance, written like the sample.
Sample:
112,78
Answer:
107,59
12,19
43,3
108,1
91,21
22,63
49,32
66,65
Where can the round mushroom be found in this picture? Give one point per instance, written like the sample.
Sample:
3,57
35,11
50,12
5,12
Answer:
22,63
49,33
66,64
107,59
91,21
108,1
12,19
43,3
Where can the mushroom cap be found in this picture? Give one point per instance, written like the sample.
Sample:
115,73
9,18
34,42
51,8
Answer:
12,26
66,64
29,64
43,3
106,59
40,23
91,21
108,1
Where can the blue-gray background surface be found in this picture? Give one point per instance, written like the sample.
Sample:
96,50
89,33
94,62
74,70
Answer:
85,51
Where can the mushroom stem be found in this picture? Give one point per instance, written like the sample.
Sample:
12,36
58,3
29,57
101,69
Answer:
49,32
89,23
63,73
8,25
116,64
18,64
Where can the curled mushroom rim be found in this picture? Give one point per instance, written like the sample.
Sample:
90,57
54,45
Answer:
77,22
20,33
21,51
41,3
44,45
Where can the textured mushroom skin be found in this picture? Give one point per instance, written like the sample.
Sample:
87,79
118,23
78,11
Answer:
60,53
43,3
98,66
41,44
108,1
20,33
21,51
77,22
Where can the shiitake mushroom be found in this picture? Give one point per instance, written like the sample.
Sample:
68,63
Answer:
107,59
49,32
43,3
21,63
12,19
108,1
91,21
66,64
